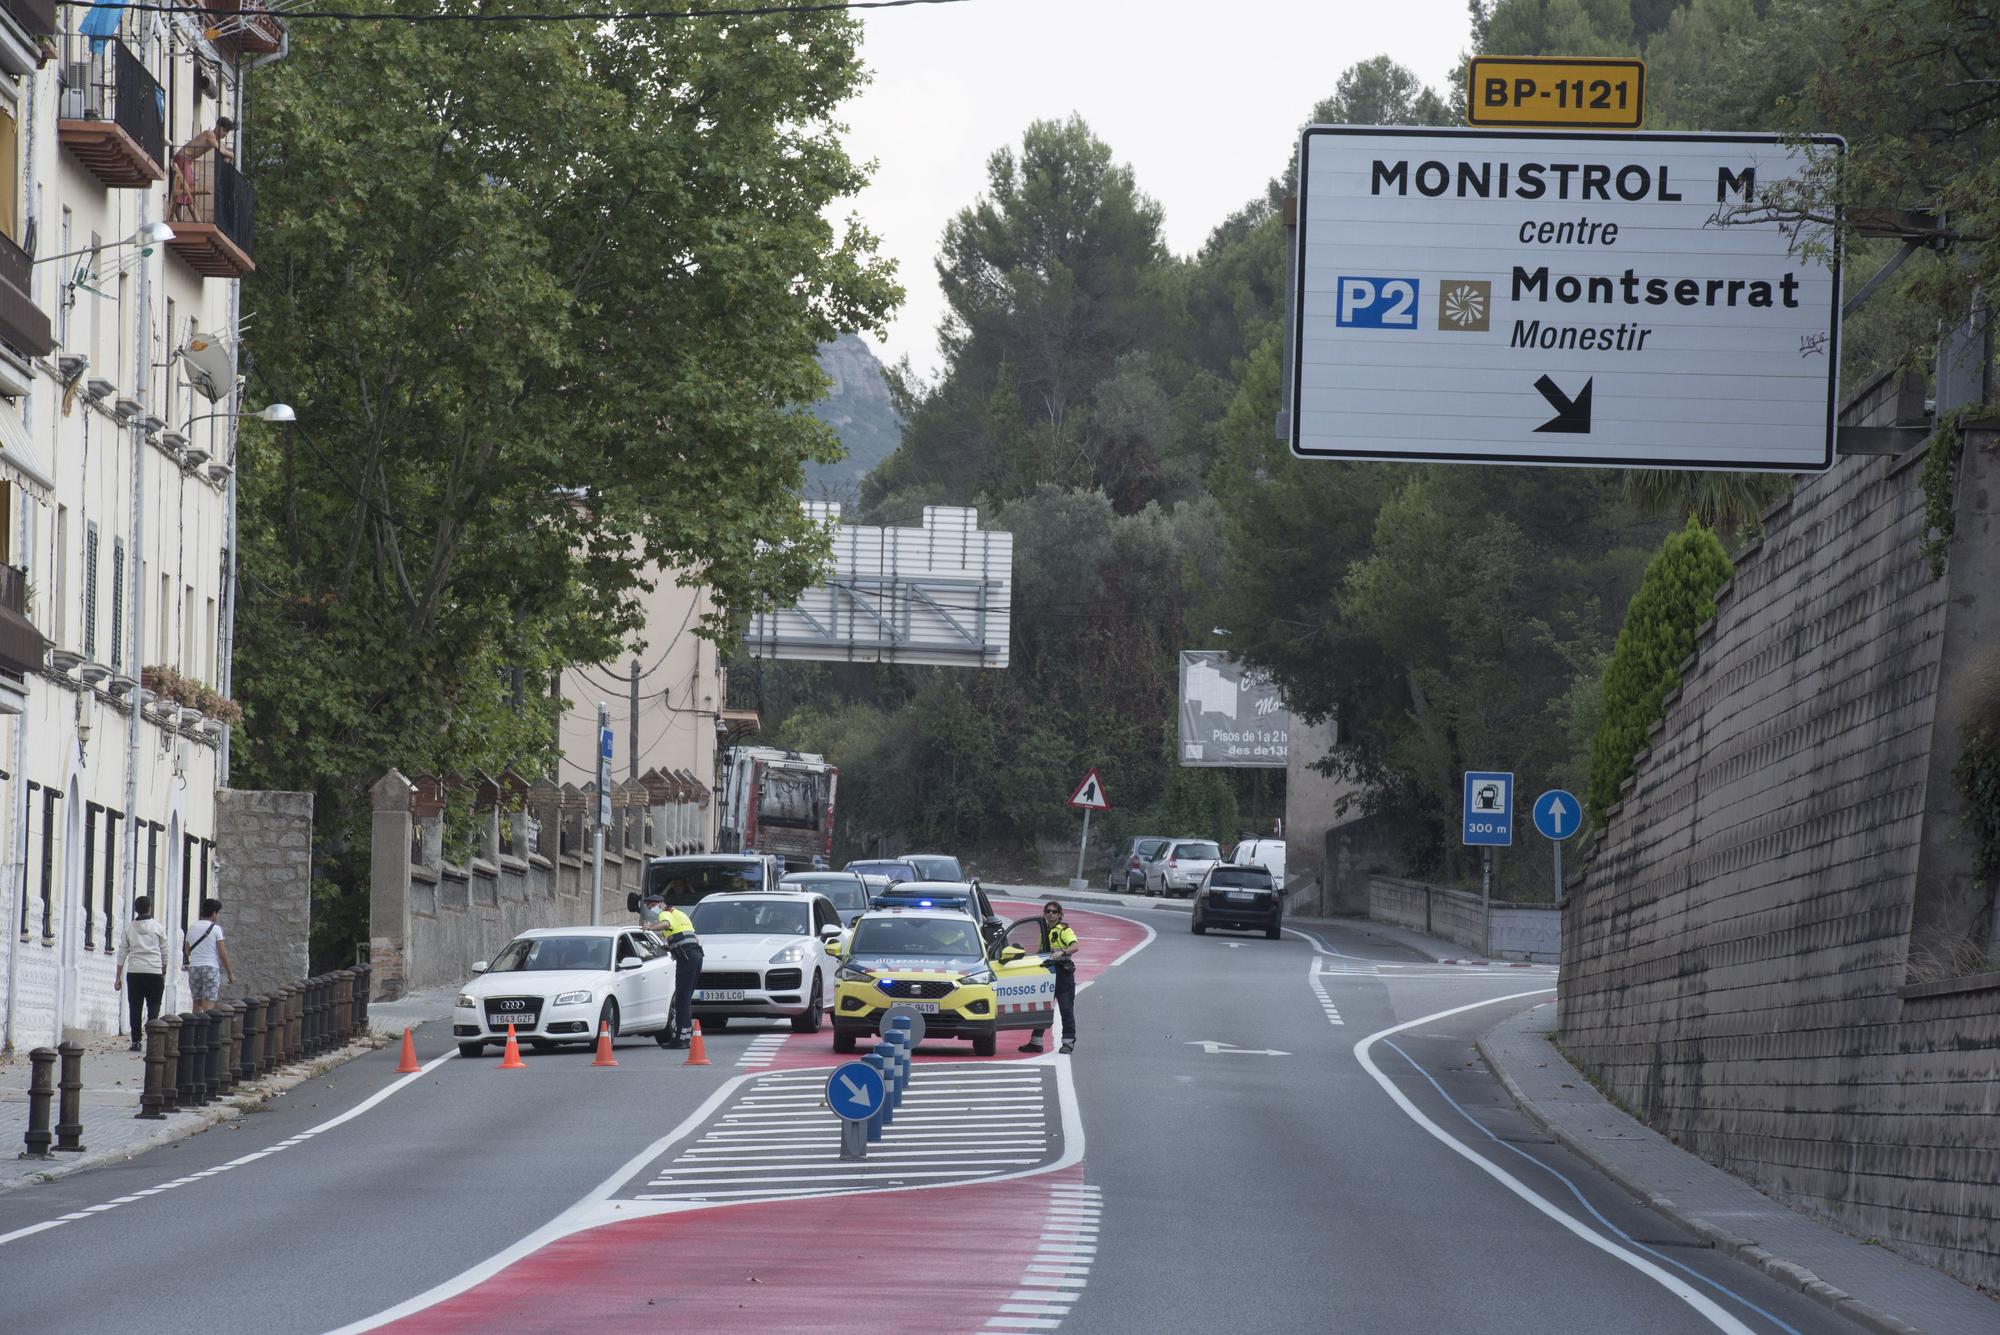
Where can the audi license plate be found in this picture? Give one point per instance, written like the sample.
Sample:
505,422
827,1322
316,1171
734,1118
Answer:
921,1007
717,994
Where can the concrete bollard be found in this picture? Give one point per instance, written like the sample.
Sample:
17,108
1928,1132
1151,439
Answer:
194,1042
309,1019
295,1000
153,1098
170,1074
892,1079
69,1118
364,978
41,1093
246,1056
184,1066
274,1018
875,1123
343,1007
231,1047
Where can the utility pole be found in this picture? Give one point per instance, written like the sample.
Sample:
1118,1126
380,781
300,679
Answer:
632,729
602,816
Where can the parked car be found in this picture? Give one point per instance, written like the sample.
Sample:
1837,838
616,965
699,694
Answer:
966,895
1266,853
557,984
1180,865
1123,873
1245,898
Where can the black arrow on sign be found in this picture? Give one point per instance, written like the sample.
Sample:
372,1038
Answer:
1572,415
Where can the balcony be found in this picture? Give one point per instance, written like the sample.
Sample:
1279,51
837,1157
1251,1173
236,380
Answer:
211,217
110,118
22,647
22,24
245,29
23,326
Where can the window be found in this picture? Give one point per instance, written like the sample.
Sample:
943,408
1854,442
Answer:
188,842
189,664
209,646
166,634
166,360
66,296
90,590
118,332
28,841
62,573
49,799
90,811
111,819
6,521
10,171
118,604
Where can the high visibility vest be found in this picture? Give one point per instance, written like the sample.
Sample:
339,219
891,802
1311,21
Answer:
675,927
1059,937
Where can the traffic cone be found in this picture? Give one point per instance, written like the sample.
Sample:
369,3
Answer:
604,1057
511,1061
698,1053
408,1065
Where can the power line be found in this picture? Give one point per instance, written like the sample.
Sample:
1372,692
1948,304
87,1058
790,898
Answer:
574,16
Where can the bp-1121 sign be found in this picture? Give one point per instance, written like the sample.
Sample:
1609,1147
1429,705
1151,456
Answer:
1559,298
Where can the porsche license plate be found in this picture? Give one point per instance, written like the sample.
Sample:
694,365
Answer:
713,994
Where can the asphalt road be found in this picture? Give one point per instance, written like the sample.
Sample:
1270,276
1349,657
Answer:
1243,1169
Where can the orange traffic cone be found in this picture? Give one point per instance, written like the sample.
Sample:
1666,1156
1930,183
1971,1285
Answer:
604,1057
698,1053
511,1061
408,1065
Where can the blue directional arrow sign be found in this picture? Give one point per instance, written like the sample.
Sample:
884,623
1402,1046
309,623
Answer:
1558,814
855,1091
1489,808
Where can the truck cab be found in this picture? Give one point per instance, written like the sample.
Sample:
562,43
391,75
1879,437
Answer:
685,880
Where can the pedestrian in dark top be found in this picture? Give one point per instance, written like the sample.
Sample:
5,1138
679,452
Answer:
1059,947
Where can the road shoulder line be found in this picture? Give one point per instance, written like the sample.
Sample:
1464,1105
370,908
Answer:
1533,1071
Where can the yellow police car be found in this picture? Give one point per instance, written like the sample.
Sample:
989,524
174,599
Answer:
936,962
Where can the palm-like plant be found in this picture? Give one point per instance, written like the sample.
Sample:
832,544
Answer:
1729,503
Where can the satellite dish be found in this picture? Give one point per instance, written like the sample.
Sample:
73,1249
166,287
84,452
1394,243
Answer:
211,365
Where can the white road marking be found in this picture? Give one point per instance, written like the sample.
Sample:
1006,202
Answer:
1715,1315
300,1138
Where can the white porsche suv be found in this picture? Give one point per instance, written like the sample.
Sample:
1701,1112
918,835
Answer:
764,956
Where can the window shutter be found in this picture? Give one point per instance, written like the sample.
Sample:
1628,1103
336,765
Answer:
90,590
118,604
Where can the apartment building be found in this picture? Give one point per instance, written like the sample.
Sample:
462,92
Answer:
125,232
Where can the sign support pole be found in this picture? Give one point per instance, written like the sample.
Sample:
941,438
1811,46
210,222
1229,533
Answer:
1486,900
1559,873
1083,844
597,814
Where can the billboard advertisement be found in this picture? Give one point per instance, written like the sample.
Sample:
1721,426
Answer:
1231,718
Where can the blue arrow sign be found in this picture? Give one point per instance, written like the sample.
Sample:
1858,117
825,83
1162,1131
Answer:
1489,808
1558,814
855,1091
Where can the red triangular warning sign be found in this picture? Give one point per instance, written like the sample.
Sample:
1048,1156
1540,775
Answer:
1089,795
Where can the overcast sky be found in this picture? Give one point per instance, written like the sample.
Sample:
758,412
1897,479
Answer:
1202,97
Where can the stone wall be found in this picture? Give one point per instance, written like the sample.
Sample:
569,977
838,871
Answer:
1316,823
1737,958
263,876
1453,915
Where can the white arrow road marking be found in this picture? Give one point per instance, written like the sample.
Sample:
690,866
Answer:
1211,1047
1720,1319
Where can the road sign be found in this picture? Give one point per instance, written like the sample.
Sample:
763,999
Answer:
1555,92
1231,716
1558,814
1561,297
855,1091
1489,808
1089,795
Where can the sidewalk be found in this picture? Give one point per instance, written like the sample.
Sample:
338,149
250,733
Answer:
113,1079
1869,1284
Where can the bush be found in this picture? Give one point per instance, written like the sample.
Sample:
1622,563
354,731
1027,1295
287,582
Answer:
1674,599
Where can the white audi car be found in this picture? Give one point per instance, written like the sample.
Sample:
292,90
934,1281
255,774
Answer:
557,984
764,956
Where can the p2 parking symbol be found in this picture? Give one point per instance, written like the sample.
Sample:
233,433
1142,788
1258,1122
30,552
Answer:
1376,303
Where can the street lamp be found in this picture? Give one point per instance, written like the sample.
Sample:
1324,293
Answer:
149,235
270,412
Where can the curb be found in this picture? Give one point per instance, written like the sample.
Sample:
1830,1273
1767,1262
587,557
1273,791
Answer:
234,1106
1789,1273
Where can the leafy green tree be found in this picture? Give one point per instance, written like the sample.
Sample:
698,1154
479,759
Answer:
536,342
1675,598
1559,28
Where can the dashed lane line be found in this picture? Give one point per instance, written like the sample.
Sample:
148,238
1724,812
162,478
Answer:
763,1050
1326,1005
1060,1268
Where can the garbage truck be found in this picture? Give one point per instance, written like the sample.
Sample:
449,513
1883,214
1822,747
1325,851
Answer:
779,803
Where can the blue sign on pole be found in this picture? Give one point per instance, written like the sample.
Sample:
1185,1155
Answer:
1489,808
1558,814
855,1091
604,742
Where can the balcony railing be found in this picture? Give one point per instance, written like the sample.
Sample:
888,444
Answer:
22,647
37,18
111,115
23,326
244,26
211,212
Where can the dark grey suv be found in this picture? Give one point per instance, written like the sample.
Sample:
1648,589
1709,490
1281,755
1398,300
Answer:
1245,898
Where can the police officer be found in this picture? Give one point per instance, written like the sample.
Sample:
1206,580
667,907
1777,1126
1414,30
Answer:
1059,947
677,930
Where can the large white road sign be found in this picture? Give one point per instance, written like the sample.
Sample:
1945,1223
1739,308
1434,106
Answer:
1558,298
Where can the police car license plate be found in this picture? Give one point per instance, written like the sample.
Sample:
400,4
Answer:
921,1007
712,994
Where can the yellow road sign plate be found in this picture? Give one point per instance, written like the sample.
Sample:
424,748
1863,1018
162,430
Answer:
1549,92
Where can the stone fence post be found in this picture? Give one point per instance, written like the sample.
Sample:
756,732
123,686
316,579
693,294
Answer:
389,884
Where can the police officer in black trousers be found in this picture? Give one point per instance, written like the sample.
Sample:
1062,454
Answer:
1059,947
